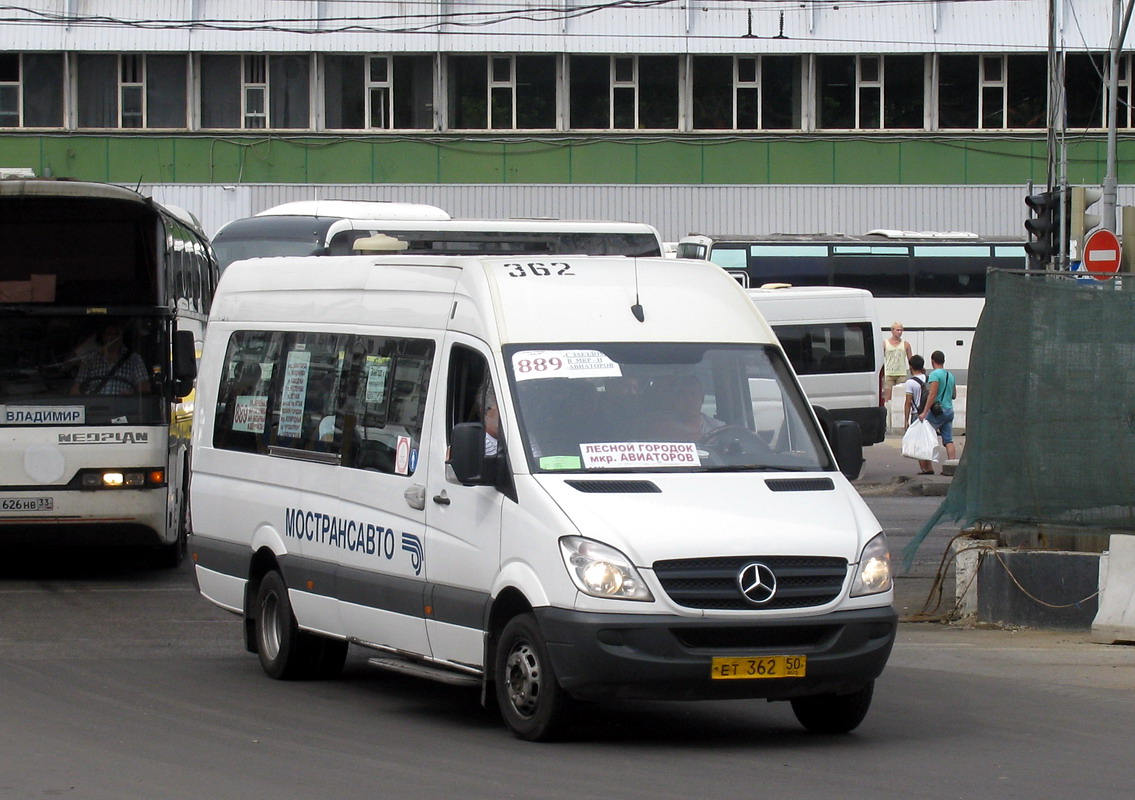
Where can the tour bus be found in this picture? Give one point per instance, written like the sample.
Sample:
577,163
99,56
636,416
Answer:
104,296
831,337
931,282
288,235
555,480
307,227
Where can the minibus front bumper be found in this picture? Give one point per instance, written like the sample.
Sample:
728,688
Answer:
663,657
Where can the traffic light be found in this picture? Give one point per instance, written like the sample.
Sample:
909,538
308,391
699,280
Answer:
1081,223
1044,227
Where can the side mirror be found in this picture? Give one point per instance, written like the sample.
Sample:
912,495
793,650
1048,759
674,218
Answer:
467,454
184,362
847,443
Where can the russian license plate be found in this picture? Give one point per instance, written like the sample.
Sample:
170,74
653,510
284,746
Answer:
725,669
26,504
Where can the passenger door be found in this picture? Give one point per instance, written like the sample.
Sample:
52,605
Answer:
463,523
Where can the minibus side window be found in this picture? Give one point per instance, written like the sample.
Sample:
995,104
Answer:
471,393
384,403
242,405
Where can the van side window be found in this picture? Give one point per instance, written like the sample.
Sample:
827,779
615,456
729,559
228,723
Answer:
356,398
469,384
824,348
385,402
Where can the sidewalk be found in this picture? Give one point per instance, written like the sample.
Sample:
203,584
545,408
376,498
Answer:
887,472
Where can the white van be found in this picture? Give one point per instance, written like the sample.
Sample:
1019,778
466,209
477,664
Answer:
832,337
559,480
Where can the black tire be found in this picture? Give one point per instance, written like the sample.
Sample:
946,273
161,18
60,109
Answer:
286,652
170,556
834,713
530,698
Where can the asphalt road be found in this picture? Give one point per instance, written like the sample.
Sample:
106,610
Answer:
118,681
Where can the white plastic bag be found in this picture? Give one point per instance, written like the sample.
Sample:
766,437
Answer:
920,441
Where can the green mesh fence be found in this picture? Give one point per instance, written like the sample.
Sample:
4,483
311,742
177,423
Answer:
1050,408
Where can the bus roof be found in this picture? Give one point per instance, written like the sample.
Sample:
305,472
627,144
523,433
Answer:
356,209
876,236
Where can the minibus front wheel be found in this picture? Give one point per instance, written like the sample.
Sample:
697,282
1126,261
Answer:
832,713
530,699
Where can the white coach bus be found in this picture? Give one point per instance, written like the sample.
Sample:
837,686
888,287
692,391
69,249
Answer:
103,300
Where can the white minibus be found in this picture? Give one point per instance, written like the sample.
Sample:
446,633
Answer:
831,337
557,480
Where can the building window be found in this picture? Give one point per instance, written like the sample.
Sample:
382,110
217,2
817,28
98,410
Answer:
9,90
957,91
992,92
378,92
41,85
254,101
502,92
132,90
1085,87
869,92
746,92
624,92
255,91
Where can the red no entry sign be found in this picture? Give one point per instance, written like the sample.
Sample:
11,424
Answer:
1101,254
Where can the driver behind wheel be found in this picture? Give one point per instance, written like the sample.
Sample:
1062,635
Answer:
111,369
677,409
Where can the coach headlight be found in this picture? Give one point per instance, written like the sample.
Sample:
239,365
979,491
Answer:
602,571
874,573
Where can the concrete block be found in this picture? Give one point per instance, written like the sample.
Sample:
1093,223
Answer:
1039,589
1115,621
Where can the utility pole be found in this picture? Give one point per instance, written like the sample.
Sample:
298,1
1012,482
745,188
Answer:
1111,181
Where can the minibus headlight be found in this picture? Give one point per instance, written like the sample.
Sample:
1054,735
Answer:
874,572
602,571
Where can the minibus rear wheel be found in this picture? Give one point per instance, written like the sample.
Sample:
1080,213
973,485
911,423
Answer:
833,713
286,652
530,698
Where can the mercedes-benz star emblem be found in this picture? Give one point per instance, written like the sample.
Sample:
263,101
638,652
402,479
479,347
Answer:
757,582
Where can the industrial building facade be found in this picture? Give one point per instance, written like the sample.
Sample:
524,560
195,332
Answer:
626,92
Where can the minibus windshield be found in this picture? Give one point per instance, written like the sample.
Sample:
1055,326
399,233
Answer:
661,406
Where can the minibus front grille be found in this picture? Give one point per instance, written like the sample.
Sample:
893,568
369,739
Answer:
614,487
781,637
800,484
712,583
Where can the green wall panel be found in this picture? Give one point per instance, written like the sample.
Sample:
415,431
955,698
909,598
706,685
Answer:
537,162
1087,162
602,162
340,162
399,161
81,158
467,161
735,162
20,151
867,161
128,159
801,162
999,162
273,161
669,162
932,161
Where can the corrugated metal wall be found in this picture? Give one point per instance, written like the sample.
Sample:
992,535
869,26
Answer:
351,26
674,210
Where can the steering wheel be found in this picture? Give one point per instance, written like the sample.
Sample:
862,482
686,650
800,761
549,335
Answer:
733,440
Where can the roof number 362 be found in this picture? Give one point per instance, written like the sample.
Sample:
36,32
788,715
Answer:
537,269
